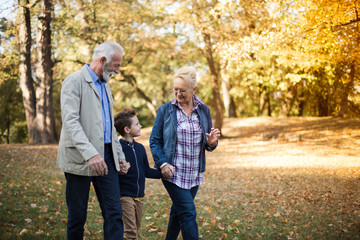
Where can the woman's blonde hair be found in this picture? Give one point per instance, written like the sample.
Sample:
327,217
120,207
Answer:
188,73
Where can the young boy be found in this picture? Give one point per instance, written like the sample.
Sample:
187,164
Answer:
132,185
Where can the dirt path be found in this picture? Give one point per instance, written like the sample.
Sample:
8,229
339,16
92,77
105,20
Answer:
286,142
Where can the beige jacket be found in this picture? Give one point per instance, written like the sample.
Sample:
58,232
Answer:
82,134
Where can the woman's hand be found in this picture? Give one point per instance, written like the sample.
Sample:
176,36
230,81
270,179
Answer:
212,137
167,170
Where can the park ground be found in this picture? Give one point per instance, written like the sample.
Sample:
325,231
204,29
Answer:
269,178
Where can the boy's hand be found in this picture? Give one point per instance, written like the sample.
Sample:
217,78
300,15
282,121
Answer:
124,167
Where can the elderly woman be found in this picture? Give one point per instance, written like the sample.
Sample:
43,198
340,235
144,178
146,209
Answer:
182,132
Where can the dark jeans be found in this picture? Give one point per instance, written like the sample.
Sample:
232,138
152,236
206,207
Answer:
183,212
108,193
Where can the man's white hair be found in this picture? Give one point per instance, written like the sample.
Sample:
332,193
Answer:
107,50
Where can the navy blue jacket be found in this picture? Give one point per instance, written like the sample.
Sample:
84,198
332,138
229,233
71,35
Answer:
132,184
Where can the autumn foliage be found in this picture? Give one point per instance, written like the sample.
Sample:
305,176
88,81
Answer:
254,58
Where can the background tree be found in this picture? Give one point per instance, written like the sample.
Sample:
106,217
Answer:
44,74
13,123
332,36
151,53
37,95
25,72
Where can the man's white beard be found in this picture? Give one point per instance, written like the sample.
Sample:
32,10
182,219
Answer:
106,74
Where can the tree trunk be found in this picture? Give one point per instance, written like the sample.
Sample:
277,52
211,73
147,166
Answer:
215,85
268,100
8,132
302,98
264,100
260,100
289,100
262,103
232,108
348,87
322,106
301,104
228,101
25,74
45,114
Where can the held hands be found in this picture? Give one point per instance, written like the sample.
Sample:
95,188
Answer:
167,170
98,165
213,136
124,167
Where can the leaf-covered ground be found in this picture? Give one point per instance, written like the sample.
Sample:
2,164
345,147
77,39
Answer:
270,178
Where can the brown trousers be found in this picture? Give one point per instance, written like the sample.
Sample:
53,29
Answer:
132,213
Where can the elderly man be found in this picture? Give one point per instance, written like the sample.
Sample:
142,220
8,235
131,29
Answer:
89,150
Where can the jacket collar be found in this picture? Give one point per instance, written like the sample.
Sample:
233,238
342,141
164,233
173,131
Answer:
130,144
88,78
196,100
86,74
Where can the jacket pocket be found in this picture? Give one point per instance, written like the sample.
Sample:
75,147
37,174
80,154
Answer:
74,155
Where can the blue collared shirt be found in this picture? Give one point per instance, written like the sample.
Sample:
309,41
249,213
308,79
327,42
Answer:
106,117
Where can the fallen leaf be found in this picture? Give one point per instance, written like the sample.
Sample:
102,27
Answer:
22,232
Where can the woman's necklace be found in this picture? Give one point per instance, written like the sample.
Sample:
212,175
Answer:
187,109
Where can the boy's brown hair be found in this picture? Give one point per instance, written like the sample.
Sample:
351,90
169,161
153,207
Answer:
122,120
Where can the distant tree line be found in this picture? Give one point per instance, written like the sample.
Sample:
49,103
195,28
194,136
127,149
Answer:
254,58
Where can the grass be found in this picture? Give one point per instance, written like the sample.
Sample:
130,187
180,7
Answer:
302,182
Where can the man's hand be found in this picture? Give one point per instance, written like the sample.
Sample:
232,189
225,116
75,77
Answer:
167,170
212,137
98,165
124,166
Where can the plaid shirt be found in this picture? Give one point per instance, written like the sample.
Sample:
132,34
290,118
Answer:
188,147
